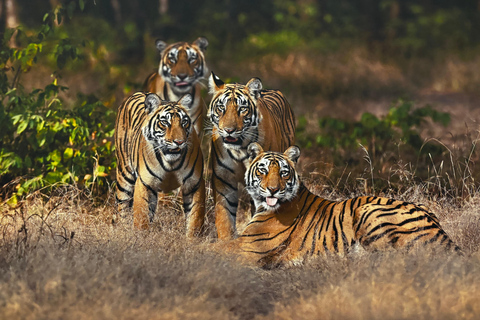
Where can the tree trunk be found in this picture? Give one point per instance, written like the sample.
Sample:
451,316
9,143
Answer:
3,17
9,13
12,19
117,12
163,7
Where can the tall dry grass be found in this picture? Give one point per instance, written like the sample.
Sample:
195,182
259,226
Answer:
61,257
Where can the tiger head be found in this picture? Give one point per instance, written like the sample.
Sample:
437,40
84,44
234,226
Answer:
271,178
182,64
168,125
233,111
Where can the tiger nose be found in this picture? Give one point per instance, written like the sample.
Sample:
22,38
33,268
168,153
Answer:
179,142
182,76
229,130
273,189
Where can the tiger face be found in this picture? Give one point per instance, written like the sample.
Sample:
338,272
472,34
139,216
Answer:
271,178
182,64
233,111
168,126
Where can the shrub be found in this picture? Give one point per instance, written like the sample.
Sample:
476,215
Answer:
43,141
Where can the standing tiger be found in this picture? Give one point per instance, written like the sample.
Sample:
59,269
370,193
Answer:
182,66
291,223
242,114
157,152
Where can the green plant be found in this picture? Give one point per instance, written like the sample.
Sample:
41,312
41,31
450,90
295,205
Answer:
43,141
402,124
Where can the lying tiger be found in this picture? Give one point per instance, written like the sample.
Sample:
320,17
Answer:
291,223
157,151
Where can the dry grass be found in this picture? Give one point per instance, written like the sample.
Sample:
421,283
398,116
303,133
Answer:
61,257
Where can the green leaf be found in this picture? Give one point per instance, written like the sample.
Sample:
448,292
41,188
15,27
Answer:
68,153
81,4
53,177
55,156
13,201
16,118
22,126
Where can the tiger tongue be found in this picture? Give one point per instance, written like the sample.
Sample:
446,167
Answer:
271,201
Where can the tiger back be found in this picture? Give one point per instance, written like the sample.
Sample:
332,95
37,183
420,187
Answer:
157,152
291,223
241,114
182,67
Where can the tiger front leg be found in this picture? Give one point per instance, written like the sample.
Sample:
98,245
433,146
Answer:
194,208
226,204
124,191
144,205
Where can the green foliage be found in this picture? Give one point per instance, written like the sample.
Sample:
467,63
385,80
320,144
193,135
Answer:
402,124
42,140
423,29
280,42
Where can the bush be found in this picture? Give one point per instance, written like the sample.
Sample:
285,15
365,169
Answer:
401,124
43,141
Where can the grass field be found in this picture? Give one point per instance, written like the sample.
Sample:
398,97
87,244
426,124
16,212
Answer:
61,257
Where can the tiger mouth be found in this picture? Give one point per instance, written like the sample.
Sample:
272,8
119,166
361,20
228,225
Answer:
182,84
173,151
232,140
271,201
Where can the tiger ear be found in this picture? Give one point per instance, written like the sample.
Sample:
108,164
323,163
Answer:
253,150
160,44
215,83
255,86
186,100
202,43
292,153
152,102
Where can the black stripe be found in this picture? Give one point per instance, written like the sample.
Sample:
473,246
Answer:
152,172
119,187
194,189
231,204
335,232
193,167
149,188
219,162
404,222
224,182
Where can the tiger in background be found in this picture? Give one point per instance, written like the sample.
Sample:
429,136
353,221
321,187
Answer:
291,223
157,151
182,66
241,114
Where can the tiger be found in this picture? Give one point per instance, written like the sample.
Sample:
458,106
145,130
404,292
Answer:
157,152
291,224
241,114
182,67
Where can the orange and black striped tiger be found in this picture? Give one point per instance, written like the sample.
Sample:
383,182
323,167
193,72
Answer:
242,114
291,223
157,151
182,66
